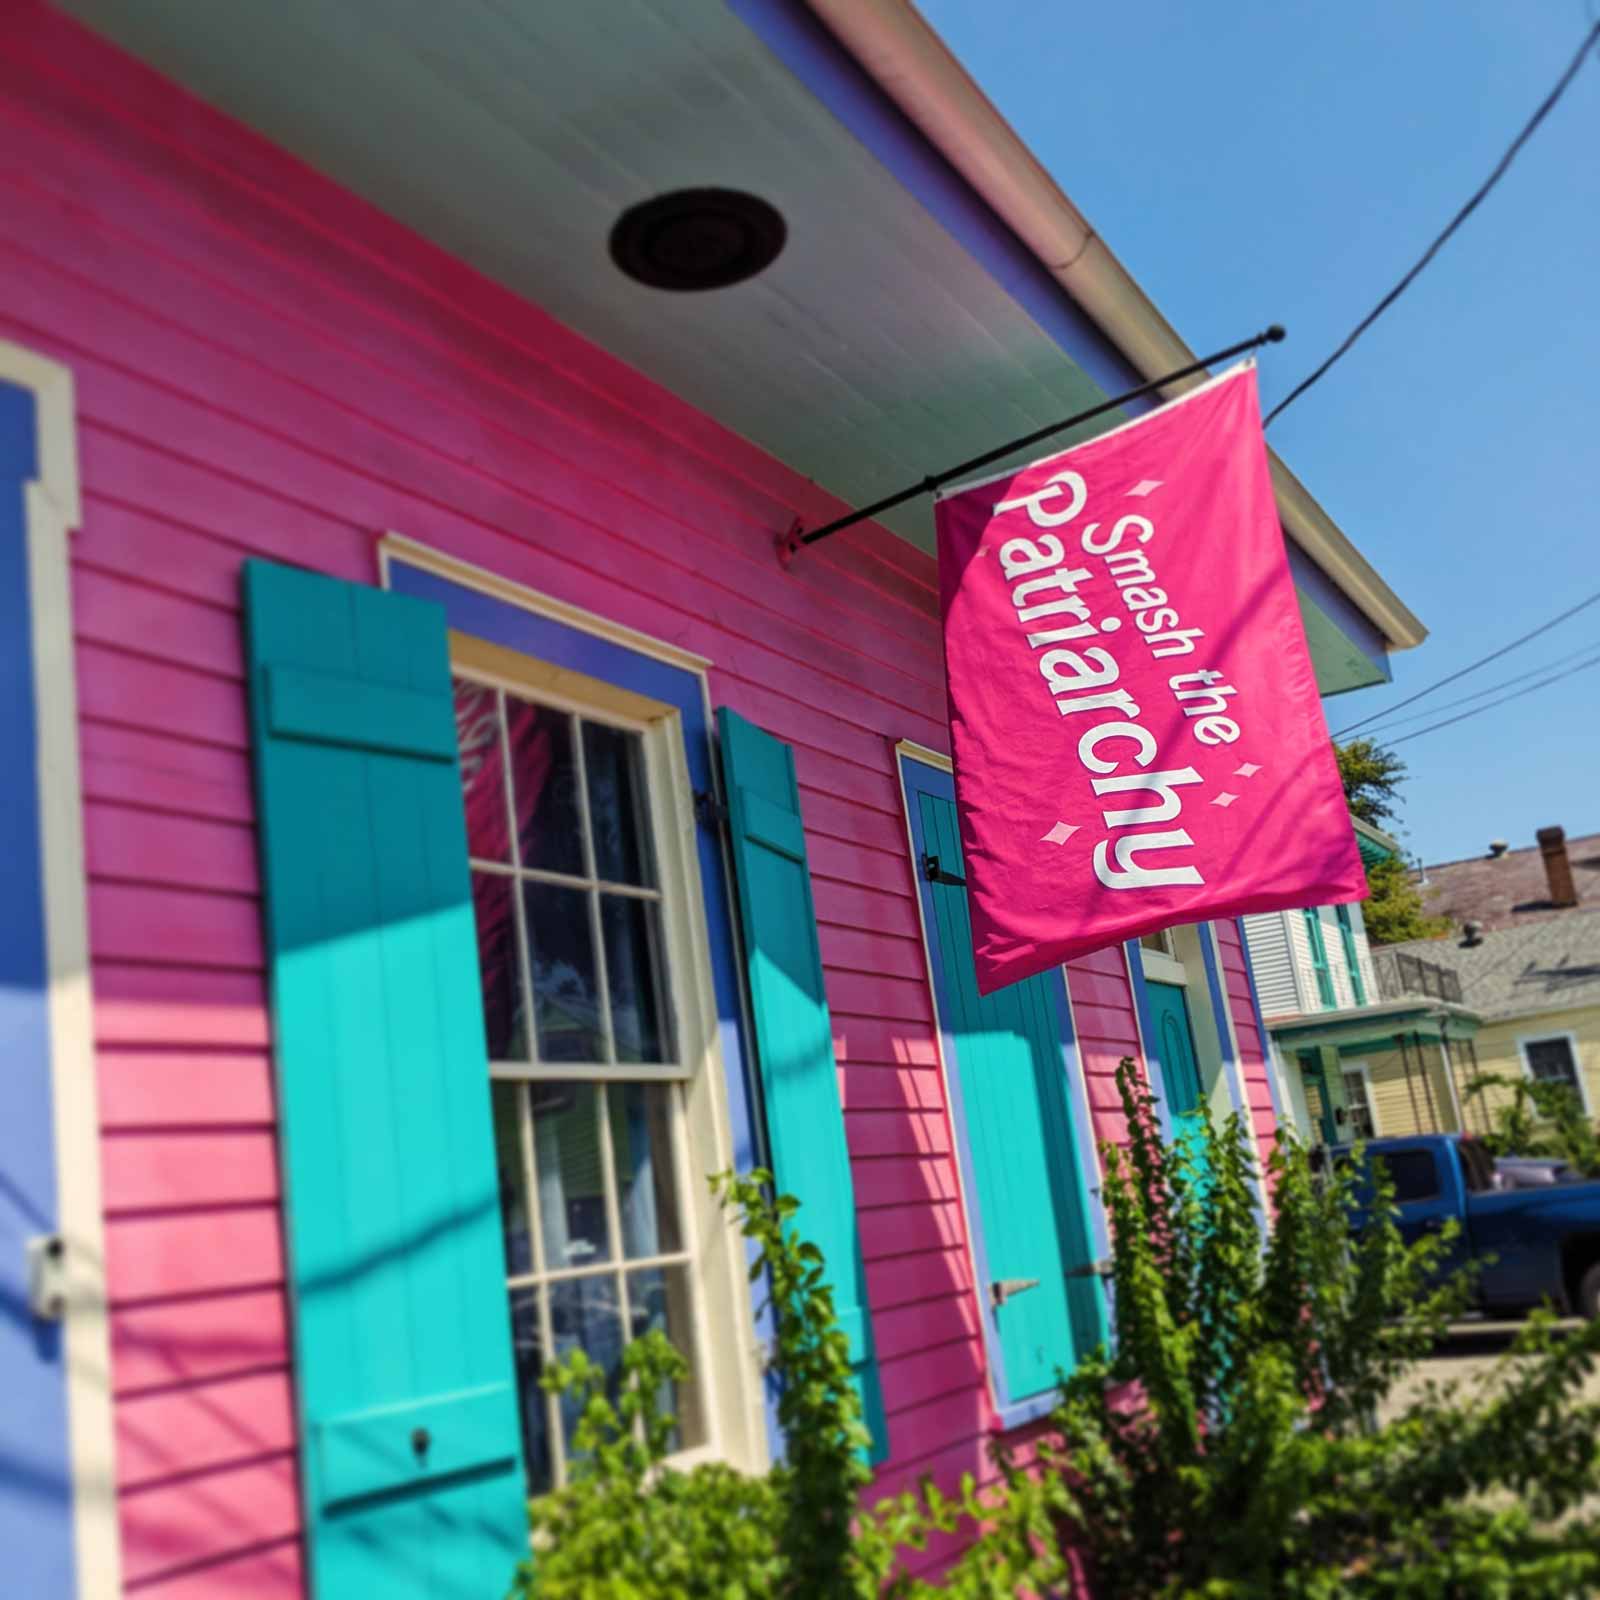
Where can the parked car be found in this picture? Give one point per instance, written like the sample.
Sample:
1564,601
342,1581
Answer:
1533,1242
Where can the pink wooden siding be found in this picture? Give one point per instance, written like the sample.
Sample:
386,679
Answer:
1252,1047
266,366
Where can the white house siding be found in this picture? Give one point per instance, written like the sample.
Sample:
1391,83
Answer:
1307,997
1272,961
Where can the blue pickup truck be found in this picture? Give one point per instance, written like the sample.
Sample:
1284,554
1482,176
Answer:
1534,1244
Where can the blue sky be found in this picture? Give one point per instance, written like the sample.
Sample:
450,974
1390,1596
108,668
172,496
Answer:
1253,162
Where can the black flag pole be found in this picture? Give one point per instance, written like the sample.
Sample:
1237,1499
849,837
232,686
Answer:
790,543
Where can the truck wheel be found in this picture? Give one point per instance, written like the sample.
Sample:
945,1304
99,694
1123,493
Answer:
1589,1294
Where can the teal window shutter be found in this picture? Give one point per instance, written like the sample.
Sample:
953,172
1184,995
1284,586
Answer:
1319,957
1347,933
794,1037
411,1458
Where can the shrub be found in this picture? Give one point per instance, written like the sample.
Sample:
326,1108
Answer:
1232,1445
1229,1448
1539,1119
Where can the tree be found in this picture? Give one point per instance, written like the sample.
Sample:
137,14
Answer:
1393,913
1372,777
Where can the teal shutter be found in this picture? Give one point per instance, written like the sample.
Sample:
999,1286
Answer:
1347,933
411,1459
1019,1156
1319,958
794,1038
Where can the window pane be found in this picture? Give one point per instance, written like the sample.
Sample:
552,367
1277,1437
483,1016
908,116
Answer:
641,1153
641,1020
572,1196
1550,1061
658,1297
544,787
618,814
584,1314
1161,941
500,967
513,1172
1414,1173
532,1404
566,991
483,781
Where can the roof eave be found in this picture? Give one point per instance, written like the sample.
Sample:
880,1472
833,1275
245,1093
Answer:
901,52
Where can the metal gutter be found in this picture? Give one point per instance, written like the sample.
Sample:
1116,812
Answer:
911,64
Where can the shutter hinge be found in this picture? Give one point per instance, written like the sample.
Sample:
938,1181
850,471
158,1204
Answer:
1002,1289
1093,1269
709,811
934,873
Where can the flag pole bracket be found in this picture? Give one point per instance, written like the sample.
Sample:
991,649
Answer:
796,537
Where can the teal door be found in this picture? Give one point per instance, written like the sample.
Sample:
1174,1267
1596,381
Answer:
1034,1236
1174,1049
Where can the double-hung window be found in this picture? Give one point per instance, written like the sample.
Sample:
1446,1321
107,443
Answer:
1553,1058
579,989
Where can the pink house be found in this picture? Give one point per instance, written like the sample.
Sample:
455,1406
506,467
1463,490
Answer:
442,830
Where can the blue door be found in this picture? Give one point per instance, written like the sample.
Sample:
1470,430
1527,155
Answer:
1174,1049
1035,1237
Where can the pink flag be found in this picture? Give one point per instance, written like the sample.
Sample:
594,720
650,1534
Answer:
1135,725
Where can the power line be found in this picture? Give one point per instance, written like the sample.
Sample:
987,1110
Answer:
1472,666
1494,688
1593,661
1545,107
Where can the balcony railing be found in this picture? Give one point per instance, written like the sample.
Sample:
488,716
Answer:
1401,973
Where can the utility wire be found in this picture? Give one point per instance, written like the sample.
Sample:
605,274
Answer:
1472,666
1593,661
1494,688
1545,107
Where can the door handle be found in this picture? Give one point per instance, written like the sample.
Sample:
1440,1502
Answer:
1002,1289
1093,1269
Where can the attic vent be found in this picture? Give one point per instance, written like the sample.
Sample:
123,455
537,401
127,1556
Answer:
1498,847
696,239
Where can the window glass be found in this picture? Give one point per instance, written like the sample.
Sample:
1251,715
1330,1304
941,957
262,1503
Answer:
1415,1174
544,787
500,965
566,982
1161,942
614,763
1360,1107
636,977
576,984
483,774
641,1139
572,1188
1551,1061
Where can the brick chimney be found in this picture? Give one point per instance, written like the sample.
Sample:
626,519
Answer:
1557,868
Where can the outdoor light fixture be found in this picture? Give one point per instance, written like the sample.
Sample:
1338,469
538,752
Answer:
697,239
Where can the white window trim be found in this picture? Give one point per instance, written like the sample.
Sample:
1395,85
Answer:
1545,1037
1364,1070
736,1412
53,511
1159,967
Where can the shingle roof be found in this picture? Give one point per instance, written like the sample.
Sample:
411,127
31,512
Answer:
1546,965
1510,890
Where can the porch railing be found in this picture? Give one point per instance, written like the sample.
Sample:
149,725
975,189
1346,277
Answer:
1400,973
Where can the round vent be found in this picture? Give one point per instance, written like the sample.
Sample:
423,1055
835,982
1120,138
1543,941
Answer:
697,239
